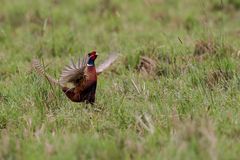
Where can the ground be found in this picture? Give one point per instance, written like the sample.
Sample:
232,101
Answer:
187,106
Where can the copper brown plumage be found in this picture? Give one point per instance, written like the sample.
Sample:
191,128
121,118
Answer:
83,76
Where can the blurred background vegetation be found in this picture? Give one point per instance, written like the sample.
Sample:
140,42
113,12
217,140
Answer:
174,93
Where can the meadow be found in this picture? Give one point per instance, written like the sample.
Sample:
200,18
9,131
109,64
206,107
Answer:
183,103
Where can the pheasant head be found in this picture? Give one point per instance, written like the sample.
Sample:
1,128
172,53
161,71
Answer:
91,58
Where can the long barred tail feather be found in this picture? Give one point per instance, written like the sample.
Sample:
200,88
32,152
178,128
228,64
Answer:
38,67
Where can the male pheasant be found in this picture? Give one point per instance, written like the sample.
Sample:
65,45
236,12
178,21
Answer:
83,76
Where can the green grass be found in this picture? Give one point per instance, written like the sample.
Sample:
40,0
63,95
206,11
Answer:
189,109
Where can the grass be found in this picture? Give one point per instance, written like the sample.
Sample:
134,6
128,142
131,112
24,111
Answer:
187,109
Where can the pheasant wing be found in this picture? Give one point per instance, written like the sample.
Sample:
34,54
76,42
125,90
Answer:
74,73
106,63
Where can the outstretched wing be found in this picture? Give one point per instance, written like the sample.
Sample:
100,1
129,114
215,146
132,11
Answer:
106,63
74,73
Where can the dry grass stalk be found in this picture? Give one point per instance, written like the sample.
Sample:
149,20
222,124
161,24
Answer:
144,122
135,86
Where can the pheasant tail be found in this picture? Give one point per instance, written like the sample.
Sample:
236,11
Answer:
38,67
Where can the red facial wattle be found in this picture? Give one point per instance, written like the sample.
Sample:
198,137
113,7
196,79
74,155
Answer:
93,55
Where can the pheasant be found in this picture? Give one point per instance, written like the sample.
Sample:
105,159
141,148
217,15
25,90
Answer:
83,75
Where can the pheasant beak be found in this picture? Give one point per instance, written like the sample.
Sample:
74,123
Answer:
97,54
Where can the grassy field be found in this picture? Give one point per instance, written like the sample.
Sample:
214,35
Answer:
187,107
